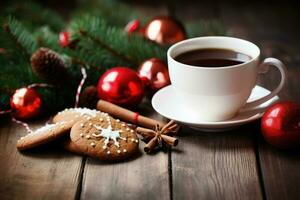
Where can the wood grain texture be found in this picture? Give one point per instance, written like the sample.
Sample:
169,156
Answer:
215,166
144,177
44,173
280,170
274,30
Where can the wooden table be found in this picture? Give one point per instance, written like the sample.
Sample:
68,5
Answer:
232,165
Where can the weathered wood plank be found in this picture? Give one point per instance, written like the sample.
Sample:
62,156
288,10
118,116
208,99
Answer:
214,165
274,31
44,173
145,177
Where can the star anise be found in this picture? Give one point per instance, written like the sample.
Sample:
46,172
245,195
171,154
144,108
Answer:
159,136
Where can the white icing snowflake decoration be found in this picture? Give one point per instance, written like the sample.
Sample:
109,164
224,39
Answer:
107,134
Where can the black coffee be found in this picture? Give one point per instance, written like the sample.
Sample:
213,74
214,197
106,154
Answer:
211,57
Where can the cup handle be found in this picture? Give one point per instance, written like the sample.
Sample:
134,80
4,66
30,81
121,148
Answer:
264,68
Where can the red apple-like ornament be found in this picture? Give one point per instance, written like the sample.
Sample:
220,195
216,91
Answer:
122,86
132,26
154,74
281,125
165,30
64,39
25,103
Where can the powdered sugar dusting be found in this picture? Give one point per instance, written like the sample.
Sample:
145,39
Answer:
47,127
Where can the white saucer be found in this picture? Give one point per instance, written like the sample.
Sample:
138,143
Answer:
166,104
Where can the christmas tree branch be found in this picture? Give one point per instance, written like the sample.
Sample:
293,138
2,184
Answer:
129,50
108,48
19,34
45,37
12,37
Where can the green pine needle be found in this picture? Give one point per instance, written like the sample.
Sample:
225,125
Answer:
21,36
115,45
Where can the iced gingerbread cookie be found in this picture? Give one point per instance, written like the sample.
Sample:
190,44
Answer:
44,135
75,114
105,138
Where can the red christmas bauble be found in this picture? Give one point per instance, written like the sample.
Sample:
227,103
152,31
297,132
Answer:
122,86
64,39
281,125
25,103
132,26
154,74
165,30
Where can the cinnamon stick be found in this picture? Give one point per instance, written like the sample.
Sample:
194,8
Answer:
146,133
127,115
171,128
151,145
170,140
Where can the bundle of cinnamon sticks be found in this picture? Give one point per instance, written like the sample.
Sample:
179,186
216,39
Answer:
159,136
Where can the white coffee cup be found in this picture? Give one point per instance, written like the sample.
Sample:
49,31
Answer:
218,93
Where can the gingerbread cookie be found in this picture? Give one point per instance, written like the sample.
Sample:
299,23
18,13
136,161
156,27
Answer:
44,135
75,114
105,138
70,146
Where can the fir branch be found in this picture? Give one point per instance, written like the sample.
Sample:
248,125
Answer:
114,42
21,36
107,47
15,59
45,37
17,72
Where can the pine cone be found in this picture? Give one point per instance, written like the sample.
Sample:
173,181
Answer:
48,65
89,97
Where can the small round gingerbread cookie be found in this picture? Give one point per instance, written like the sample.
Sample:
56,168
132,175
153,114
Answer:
44,135
105,138
75,114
